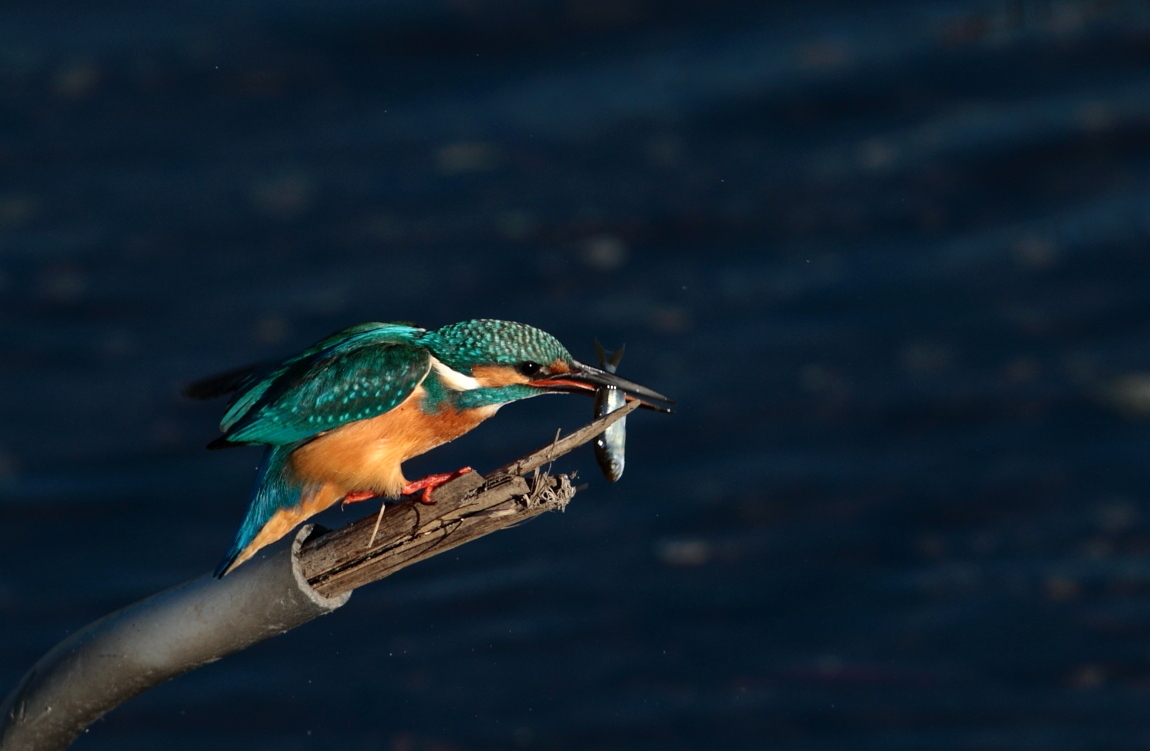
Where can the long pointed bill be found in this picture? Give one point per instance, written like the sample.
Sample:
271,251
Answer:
585,379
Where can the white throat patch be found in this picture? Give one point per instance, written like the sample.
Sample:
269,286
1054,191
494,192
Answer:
453,379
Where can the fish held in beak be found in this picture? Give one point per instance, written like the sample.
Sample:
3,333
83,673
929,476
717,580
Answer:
585,379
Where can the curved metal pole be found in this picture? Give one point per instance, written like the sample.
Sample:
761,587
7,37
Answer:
145,644
156,639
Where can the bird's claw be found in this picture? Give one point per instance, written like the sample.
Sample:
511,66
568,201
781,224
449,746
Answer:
430,483
358,495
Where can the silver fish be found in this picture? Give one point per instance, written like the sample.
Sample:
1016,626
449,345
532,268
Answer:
609,445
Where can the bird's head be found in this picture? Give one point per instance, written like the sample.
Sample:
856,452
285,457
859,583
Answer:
502,354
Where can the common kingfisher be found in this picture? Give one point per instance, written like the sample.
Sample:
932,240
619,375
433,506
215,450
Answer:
339,418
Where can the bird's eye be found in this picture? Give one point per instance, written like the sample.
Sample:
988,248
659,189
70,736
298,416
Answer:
530,369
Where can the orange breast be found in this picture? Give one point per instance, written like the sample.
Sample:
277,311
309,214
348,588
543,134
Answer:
366,454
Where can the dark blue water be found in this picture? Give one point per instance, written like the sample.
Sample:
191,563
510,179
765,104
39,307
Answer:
893,261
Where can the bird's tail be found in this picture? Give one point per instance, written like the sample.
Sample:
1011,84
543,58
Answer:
223,383
276,488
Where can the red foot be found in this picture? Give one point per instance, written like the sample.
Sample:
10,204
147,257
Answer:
358,495
430,483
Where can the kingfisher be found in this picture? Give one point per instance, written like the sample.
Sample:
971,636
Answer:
339,419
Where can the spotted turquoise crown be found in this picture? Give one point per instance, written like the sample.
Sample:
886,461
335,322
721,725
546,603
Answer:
461,346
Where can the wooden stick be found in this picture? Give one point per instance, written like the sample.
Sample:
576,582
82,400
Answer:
468,507
561,446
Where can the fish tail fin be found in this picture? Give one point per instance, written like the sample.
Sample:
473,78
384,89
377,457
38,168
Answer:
609,362
616,357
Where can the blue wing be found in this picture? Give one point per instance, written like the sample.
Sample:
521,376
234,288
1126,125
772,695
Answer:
357,373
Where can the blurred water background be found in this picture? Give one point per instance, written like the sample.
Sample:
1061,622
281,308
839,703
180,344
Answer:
891,258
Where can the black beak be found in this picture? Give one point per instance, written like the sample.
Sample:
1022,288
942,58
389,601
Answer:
585,379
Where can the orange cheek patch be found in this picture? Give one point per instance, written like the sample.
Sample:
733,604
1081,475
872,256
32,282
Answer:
558,367
497,375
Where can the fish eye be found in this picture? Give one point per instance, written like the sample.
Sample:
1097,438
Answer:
529,368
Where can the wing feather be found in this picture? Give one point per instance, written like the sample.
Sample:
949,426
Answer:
358,373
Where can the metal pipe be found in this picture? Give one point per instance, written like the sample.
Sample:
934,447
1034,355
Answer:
126,653
156,639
